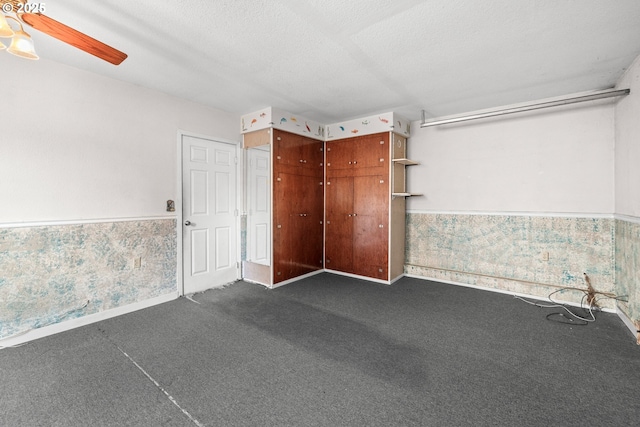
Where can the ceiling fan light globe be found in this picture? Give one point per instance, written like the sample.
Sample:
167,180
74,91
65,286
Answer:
5,29
22,46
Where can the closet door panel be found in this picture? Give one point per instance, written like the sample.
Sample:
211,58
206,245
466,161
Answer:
371,154
312,155
287,149
298,205
310,253
339,196
309,234
339,224
370,246
282,249
339,243
340,156
371,195
284,190
371,234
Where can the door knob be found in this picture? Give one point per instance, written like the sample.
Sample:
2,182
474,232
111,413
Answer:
187,223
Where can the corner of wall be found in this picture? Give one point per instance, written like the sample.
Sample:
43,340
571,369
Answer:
627,188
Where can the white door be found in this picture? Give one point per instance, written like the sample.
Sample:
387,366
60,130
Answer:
208,213
259,218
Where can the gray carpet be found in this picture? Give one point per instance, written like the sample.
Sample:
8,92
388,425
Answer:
328,351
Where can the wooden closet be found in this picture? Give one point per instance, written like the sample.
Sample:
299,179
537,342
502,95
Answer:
365,221
337,205
298,203
290,233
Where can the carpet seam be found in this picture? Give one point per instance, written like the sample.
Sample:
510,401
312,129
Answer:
162,389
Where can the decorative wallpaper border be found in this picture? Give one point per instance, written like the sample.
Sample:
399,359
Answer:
49,274
386,122
82,221
627,218
278,119
517,213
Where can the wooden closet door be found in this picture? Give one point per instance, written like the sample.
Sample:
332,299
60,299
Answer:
370,232
309,225
371,154
312,156
340,157
286,150
308,208
339,226
284,193
298,206
313,151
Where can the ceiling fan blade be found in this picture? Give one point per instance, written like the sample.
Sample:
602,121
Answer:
73,37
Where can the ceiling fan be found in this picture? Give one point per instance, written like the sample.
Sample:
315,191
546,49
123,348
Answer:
32,15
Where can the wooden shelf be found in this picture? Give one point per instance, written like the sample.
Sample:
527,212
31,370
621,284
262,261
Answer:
405,162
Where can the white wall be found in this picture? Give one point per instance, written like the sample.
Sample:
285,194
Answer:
559,160
627,160
80,146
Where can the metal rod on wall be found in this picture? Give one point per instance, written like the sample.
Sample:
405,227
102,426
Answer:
599,95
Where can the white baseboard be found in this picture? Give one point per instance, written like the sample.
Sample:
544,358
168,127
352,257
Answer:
501,291
628,322
295,279
396,279
45,331
355,276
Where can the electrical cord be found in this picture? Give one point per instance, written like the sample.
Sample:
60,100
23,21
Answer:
561,318
589,309
589,295
556,304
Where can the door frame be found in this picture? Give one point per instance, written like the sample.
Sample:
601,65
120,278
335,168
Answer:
178,204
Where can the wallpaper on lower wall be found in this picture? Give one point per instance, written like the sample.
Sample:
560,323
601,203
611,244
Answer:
507,252
628,266
49,274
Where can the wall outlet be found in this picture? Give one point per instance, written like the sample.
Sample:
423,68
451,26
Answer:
137,262
545,256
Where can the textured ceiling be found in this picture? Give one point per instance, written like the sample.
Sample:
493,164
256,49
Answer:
333,60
